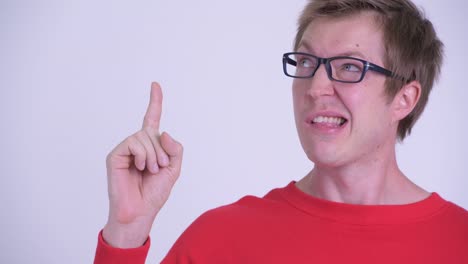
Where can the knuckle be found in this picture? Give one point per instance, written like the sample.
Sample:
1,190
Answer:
132,140
110,158
180,147
150,133
140,135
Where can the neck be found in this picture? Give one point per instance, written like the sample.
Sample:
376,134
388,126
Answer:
369,183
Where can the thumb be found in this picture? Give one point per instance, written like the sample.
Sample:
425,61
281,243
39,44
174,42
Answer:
173,148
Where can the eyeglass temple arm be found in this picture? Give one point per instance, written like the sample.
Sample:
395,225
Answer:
290,61
387,72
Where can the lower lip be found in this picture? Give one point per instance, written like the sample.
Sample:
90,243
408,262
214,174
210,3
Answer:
324,128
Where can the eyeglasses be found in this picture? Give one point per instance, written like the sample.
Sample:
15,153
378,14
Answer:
341,69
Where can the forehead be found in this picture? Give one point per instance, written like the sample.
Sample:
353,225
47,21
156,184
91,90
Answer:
357,35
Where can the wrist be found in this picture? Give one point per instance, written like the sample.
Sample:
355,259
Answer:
125,236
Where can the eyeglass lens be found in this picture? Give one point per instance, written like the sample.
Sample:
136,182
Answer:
342,69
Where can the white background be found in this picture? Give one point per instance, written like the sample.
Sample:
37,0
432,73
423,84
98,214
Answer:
75,78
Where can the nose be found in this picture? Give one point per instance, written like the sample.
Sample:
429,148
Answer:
320,84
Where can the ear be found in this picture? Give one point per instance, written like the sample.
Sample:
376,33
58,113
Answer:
405,100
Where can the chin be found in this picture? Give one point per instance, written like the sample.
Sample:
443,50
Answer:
325,157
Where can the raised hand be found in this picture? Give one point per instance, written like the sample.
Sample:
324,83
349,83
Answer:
141,172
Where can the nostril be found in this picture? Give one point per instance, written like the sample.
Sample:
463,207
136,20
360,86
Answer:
320,85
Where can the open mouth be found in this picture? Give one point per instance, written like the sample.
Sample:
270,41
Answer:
331,121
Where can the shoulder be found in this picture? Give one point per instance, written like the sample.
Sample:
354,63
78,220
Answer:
243,214
247,210
455,215
225,228
451,222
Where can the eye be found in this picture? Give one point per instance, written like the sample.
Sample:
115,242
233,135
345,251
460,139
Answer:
351,67
306,63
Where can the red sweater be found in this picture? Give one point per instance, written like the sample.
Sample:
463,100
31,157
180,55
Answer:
289,226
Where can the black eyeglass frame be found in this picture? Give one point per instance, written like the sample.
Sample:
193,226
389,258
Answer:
326,62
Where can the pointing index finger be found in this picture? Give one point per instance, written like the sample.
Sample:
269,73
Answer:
153,113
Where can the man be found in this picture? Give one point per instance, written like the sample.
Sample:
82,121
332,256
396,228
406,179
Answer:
363,71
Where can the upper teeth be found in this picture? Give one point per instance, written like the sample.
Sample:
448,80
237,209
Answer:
331,120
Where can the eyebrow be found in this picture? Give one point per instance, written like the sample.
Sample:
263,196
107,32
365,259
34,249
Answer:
304,44
346,53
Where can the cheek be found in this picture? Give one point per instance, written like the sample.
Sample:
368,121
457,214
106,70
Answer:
368,108
298,95
371,118
366,99
352,100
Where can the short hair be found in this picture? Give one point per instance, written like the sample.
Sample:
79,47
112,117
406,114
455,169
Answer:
413,50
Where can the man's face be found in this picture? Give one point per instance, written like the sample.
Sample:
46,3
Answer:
320,105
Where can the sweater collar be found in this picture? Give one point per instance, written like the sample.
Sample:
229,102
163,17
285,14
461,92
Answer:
363,214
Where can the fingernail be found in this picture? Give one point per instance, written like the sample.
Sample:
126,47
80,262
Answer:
155,168
164,161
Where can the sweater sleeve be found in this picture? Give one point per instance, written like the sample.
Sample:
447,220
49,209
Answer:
106,254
